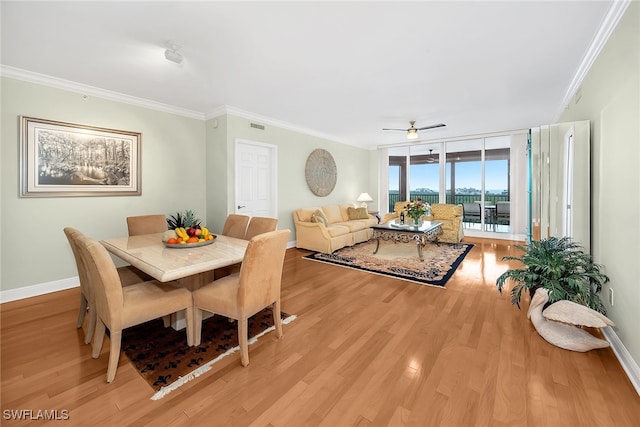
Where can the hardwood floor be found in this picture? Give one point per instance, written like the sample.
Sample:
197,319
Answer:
364,350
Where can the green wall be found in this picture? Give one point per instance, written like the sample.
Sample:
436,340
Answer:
293,149
34,247
187,163
610,98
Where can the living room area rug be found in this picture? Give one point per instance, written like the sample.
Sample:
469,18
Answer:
163,358
400,260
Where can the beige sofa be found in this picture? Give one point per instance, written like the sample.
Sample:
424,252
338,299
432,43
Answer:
346,225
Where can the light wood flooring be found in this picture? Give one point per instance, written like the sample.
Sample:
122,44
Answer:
364,350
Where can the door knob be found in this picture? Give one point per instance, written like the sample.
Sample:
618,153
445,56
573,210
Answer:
240,207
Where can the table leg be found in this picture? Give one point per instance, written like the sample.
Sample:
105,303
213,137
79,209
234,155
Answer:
377,246
196,281
420,243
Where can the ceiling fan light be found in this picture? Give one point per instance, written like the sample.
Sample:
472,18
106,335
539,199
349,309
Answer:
412,134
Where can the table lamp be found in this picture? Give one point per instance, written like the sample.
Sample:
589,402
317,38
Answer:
364,198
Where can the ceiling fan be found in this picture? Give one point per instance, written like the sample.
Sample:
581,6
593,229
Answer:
412,132
430,158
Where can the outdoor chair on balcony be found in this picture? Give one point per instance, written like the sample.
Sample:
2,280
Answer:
471,212
503,213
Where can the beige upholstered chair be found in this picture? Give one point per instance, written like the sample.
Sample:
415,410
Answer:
146,224
259,225
87,301
397,208
451,218
118,308
235,226
241,295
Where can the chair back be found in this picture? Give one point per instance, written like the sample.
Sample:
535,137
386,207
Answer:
503,209
259,225
445,211
235,226
85,285
400,206
105,281
471,209
146,224
261,271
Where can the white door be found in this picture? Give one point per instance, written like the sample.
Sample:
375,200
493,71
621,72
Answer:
256,179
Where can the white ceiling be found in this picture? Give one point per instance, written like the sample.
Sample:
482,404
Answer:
342,69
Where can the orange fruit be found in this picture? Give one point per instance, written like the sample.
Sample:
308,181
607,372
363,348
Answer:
193,239
172,240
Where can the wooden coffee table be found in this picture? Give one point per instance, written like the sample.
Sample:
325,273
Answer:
428,231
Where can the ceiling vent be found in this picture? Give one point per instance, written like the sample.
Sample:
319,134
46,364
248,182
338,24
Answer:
256,126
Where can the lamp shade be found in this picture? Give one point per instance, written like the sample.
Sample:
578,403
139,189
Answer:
364,197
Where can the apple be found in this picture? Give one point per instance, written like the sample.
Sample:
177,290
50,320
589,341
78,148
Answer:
191,231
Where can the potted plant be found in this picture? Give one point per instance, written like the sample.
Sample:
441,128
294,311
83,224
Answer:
562,267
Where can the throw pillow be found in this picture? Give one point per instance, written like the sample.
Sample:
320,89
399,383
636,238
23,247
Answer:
357,213
319,216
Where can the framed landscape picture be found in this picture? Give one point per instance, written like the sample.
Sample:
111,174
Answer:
67,159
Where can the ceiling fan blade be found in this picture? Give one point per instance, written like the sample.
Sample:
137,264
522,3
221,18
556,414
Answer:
402,130
439,125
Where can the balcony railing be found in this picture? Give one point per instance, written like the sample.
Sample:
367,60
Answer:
457,198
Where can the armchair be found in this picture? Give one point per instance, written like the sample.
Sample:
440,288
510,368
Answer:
397,208
451,218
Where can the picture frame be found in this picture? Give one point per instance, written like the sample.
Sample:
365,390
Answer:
61,159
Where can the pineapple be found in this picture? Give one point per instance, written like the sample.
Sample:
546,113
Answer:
183,219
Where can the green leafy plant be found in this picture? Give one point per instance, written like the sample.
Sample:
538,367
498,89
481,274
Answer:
183,219
562,267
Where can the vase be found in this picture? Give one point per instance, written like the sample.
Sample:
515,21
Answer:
417,220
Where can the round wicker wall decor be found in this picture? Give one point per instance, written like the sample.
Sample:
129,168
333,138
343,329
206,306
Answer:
321,172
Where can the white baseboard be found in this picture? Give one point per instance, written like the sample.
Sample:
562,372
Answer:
40,289
624,357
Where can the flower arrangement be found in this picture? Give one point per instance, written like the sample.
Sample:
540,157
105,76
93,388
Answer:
416,209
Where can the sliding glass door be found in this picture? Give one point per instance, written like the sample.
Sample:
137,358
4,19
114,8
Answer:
472,173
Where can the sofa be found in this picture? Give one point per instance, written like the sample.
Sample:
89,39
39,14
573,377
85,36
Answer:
328,228
449,215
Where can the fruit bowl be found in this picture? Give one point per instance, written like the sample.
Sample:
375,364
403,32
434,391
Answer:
188,238
189,245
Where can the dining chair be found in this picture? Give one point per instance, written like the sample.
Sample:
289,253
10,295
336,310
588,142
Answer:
241,295
235,226
259,225
118,308
87,301
146,224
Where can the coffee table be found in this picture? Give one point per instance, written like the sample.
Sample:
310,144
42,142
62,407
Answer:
428,231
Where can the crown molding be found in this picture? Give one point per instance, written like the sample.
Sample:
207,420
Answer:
42,79
233,111
609,23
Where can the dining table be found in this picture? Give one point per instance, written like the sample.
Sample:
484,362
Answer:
189,266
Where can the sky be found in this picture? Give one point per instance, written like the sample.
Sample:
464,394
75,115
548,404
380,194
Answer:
468,175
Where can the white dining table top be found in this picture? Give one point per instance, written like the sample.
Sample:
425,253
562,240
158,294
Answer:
148,253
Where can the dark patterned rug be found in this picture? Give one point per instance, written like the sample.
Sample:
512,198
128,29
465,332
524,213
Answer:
400,260
163,358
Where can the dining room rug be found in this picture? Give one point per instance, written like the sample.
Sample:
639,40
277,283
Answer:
400,260
163,358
